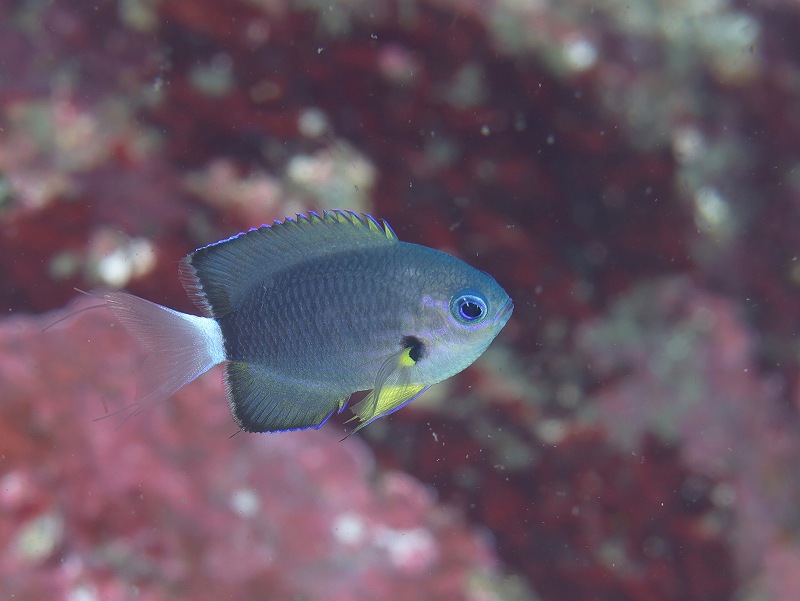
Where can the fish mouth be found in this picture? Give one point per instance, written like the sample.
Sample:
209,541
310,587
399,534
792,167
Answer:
505,312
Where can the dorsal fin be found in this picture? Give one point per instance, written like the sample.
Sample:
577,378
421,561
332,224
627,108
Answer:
216,275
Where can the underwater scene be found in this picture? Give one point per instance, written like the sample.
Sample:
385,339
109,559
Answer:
623,176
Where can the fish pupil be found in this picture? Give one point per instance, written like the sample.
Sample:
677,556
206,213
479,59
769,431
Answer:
470,309
416,349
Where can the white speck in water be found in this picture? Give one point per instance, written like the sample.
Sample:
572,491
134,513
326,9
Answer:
349,528
214,78
312,123
413,549
245,502
688,144
551,431
712,212
580,54
132,258
40,536
82,593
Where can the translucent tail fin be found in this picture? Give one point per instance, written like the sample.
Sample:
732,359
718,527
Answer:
180,346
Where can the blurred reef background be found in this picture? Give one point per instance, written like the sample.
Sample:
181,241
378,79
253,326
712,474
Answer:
628,171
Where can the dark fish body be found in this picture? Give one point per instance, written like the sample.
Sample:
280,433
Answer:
339,302
308,311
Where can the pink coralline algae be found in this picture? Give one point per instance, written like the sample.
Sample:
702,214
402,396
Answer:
579,516
579,151
679,361
171,505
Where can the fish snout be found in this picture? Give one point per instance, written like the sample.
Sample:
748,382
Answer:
504,313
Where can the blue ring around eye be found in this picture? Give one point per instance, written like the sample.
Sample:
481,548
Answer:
468,307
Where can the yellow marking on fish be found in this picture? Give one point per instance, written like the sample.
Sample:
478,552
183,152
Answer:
391,397
405,359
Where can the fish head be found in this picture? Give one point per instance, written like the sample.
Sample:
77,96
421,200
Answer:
460,313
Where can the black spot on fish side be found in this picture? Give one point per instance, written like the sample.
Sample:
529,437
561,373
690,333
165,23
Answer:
416,349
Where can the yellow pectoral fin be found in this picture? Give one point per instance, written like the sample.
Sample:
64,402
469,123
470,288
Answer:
390,399
393,389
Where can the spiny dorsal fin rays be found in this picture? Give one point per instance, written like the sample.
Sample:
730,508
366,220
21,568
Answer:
333,217
219,275
350,217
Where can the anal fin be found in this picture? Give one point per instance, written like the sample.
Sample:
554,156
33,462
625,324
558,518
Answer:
262,402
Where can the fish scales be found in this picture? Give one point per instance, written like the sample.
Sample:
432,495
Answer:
314,319
309,310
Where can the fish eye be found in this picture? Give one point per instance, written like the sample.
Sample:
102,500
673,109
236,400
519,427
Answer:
468,307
